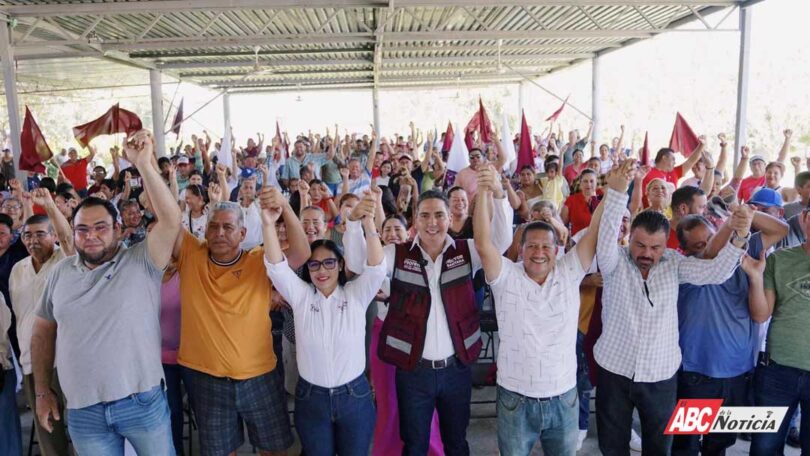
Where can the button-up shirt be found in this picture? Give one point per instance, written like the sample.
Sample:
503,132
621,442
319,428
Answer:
330,331
640,317
438,344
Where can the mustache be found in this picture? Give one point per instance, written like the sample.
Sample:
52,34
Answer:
644,259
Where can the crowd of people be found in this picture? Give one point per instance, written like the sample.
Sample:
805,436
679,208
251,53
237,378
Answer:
350,274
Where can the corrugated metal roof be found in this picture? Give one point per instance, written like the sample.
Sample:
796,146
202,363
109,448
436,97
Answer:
275,43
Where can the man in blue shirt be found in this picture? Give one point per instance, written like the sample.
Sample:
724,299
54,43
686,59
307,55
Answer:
719,324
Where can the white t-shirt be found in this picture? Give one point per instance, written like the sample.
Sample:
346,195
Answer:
537,325
197,225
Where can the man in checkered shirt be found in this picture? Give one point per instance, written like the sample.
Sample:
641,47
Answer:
638,352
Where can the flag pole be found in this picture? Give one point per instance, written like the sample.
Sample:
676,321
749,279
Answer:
524,76
171,104
197,110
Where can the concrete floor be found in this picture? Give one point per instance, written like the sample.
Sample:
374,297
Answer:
481,434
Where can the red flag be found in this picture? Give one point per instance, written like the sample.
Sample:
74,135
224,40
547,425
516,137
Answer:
645,152
525,157
448,138
115,120
178,119
556,114
683,139
480,121
34,148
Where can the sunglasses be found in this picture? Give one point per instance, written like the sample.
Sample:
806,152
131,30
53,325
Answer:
328,264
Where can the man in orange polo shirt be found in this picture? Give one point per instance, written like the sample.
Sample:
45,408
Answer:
226,345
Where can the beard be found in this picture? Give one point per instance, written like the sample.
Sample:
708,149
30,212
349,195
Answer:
99,258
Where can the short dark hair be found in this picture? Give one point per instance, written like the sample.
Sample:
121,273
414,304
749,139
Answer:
334,248
102,168
64,187
5,219
347,197
48,183
801,179
651,222
684,195
587,171
434,194
397,218
37,219
689,223
661,152
109,183
453,189
553,166
93,201
538,226
67,196
162,161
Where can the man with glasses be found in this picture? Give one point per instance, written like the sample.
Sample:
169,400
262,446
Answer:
637,353
27,283
226,344
103,308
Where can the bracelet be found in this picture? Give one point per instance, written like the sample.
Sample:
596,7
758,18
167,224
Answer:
41,395
373,234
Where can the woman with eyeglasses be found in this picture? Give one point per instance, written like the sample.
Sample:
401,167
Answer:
334,409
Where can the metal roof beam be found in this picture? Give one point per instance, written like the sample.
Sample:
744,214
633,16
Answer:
269,64
486,58
192,54
168,6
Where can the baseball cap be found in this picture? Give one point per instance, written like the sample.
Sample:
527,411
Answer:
766,197
247,173
754,158
182,160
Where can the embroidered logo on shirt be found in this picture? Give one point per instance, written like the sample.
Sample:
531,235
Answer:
237,274
108,276
314,308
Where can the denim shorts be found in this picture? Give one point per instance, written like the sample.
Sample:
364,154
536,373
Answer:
223,406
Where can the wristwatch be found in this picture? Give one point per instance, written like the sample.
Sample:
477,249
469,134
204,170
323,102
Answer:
736,237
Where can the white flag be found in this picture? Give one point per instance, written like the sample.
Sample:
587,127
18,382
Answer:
224,152
458,157
508,147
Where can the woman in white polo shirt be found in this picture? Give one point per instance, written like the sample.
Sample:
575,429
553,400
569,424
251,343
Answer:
334,409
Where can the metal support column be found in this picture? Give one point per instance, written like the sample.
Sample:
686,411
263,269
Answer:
596,98
375,100
226,114
741,129
156,86
12,103
521,98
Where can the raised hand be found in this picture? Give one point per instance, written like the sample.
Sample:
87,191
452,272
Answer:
214,193
41,197
139,148
741,219
221,170
788,133
488,179
344,173
272,203
796,162
365,208
303,187
620,176
754,266
722,138
744,152
15,186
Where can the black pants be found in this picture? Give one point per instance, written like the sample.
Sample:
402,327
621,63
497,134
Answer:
617,396
733,391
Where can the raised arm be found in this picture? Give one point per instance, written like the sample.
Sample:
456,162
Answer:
697,154
619,149
615,202
722,159
771,229
298,251
160,241
701,271
636,199
42,197
758,305
586,247
707,183
783,152
373,246
490,256
92,152
739,170
116,167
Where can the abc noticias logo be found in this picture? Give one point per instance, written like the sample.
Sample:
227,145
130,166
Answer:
702,416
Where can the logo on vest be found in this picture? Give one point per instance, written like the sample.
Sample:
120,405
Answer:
411,265
454,262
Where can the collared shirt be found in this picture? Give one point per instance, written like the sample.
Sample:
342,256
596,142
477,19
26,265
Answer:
330,331
640,317
537,325
438,344
5,343
292,168
26,286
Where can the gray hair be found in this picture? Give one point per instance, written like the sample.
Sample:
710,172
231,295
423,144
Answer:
229,206
543,204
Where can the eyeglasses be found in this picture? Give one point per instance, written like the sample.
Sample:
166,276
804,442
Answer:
83,231
39,235
328,264
12,207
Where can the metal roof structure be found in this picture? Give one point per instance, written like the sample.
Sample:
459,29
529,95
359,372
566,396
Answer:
271,45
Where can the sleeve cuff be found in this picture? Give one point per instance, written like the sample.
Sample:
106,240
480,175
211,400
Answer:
270,266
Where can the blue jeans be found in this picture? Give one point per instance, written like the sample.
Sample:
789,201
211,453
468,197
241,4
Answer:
174,376
10,429
584,386
141,418
522,420
733,391
422,390
617,396
777,385
335,420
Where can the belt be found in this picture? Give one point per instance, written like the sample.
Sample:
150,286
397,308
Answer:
438,363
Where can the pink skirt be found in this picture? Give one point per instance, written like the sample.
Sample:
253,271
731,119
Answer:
386,432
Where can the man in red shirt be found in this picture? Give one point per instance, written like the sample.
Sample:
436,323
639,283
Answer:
666,170
757,165
75,169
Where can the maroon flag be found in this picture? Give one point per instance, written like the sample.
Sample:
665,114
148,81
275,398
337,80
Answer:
115,120
556,114
524,157
645,152
448,138
35,149
178,119
683,139
480,121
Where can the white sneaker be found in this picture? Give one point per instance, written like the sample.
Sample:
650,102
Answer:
635,441
583,433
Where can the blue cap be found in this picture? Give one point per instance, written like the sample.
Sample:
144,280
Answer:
247,173
766,197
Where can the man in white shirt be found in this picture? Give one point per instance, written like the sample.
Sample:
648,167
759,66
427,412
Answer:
26,284
638,352
251,212
537,311
433,364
